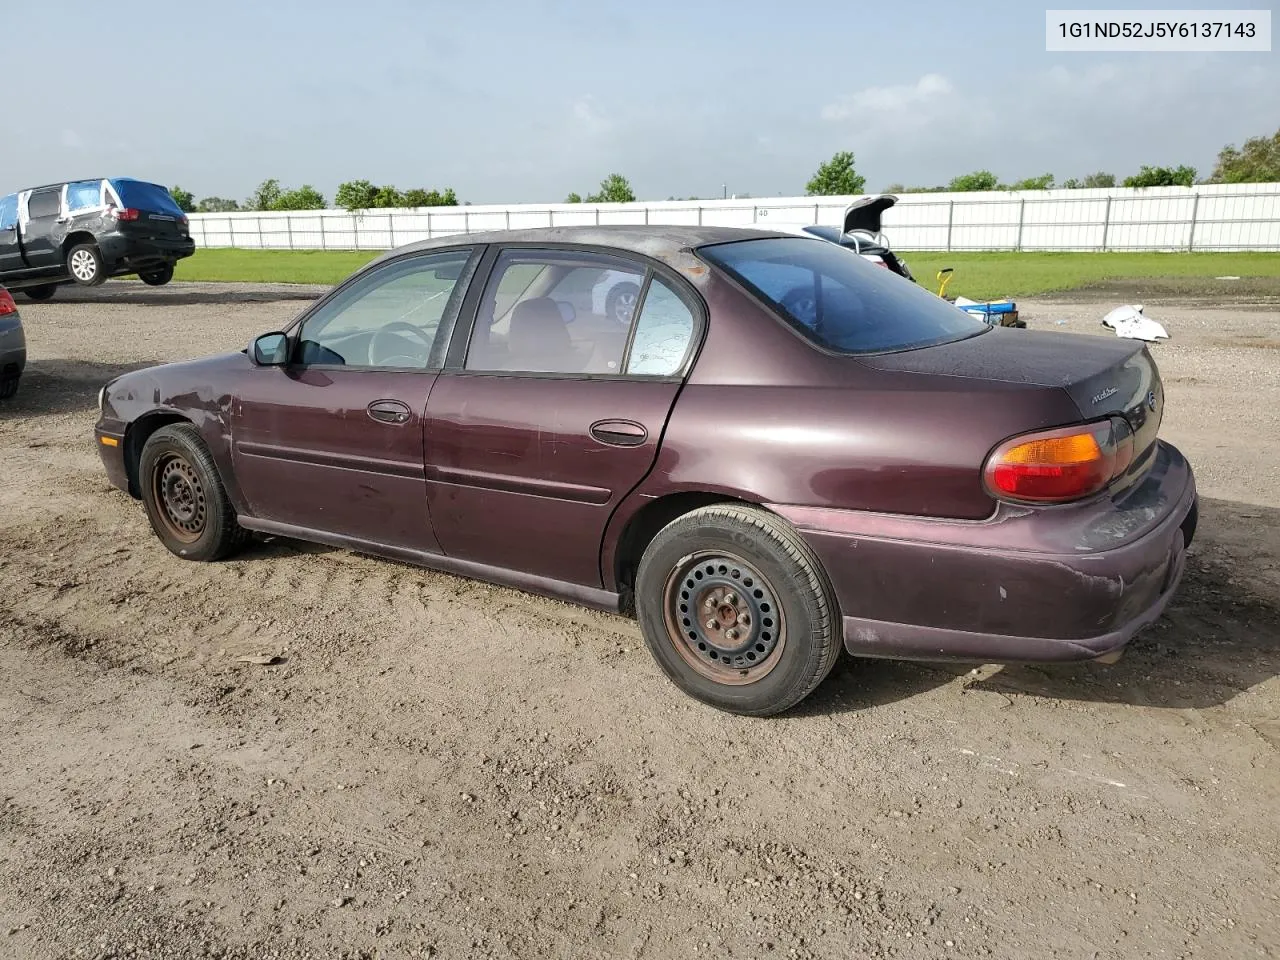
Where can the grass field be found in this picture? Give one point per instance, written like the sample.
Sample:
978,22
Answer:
977,275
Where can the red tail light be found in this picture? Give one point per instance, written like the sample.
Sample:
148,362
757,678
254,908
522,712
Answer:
1058,466
7,306
127,213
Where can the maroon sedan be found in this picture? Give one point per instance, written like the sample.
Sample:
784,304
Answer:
781,451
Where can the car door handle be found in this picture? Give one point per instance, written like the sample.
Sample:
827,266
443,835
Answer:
389,411
619,433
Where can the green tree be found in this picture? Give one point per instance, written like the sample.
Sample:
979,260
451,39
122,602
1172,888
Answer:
1258,161
979,180
1162,177
418,197
184,199
354,195
1042,182
388,197
306,197
615,188
1099,179
573,198
265,197
216,205
836,178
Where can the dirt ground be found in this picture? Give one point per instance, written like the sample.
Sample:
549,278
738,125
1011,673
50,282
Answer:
440,768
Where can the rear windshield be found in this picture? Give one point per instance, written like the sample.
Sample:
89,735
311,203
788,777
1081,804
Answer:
839,300
150,197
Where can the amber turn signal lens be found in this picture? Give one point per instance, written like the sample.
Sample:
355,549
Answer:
109,441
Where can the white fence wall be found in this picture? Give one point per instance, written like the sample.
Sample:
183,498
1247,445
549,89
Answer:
1208,217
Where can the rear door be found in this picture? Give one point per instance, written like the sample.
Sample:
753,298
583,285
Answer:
159,217
548,414
39,243
332,442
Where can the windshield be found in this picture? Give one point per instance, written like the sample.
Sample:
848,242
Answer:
146,196
839,300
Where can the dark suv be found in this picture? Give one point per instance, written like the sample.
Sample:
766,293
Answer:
86,231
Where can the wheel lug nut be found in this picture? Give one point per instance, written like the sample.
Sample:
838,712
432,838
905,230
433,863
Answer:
744,619
713,624
731,634
710,603
731,599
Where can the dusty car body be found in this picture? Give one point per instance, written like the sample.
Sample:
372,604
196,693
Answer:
759,485
87,231
13,346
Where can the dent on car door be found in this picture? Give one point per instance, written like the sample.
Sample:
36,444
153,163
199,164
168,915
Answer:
332,441
548,416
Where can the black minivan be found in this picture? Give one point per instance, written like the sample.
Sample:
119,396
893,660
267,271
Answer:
86,231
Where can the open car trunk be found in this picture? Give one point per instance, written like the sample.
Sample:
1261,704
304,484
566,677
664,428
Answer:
865,214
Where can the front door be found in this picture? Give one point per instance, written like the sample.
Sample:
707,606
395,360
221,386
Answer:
332,441
10,252
553,412
38,240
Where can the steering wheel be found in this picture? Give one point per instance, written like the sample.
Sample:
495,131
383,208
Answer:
387,350
803,305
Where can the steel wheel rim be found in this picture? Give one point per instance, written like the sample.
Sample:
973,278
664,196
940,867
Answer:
180,496
82,265
623,306
723,618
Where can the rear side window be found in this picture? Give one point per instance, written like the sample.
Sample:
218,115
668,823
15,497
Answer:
663,332
837,299
84,195
46,204
8,211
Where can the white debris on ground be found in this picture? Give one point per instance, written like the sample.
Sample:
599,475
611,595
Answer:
1129,322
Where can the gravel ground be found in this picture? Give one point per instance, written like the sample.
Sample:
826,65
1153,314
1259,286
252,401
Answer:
434,767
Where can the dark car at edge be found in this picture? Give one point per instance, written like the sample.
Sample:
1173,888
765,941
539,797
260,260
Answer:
87,231
785,453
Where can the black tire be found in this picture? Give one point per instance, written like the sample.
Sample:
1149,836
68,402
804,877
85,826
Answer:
184,496
44,292
752,565
84,265
620,304
157,277
8,387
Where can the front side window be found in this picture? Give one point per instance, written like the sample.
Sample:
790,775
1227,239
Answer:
555,312
837,299
396,317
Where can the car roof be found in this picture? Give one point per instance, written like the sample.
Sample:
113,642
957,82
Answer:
670,244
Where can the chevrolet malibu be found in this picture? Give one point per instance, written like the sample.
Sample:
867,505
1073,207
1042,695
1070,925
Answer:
782,452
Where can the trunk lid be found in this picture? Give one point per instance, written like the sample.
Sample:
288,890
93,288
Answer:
1102,377
865,214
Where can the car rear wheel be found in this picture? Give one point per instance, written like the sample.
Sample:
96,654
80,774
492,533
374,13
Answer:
84,263
8,386
44,292
620,304
185,499
736,609
157,277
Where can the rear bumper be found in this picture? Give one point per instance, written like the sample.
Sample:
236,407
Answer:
1061,584
13,349
123,251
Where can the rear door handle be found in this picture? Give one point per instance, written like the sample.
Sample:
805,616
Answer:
389,411
619,433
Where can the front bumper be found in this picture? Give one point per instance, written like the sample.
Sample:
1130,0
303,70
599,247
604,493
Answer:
109,438
1028,585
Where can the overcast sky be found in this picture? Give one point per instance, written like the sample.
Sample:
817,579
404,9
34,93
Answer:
526,101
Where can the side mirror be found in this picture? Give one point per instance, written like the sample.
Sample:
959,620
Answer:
270,350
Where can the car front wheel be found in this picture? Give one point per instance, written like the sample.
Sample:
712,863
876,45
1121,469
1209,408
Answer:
185,499
736,609
620,304
157,277
84,263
